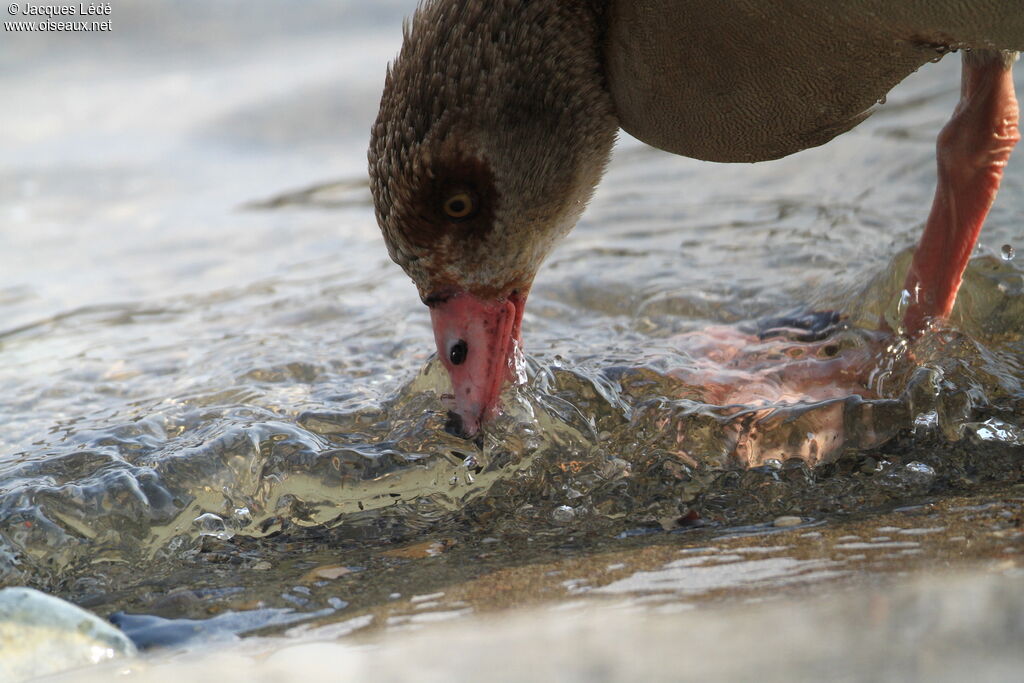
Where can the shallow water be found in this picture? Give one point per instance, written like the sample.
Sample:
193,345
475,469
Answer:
219,396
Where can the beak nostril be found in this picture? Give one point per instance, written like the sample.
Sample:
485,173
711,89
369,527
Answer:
457,354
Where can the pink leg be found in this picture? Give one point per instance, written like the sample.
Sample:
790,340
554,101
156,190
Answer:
973,149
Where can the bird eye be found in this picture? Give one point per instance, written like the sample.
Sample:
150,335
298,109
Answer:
457,354
459,206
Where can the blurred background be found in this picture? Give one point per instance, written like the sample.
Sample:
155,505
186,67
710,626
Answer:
129,155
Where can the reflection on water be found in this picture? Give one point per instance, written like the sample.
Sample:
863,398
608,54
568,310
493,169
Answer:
689,576
213,377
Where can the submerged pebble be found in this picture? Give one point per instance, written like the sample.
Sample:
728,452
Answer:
418,551
329,572
920,468
787,520
563,514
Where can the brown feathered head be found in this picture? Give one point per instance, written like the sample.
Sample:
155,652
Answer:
494,127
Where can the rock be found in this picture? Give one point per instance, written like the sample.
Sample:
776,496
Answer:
327,571
787,520
43,635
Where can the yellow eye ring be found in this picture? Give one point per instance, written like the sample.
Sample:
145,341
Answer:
459,206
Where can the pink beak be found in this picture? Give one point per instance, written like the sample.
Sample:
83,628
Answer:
476,341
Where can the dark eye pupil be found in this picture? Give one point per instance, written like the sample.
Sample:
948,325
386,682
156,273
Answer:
459,205
458,352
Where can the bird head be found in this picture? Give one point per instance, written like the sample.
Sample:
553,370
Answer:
494,128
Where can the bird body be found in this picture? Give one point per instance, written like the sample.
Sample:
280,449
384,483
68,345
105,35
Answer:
748,80
498,117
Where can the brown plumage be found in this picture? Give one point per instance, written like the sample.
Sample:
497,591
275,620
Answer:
749,80
502,97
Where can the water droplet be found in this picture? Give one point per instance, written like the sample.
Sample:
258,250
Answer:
517,363
210,524
926,421
997,430
563,514
1007,252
